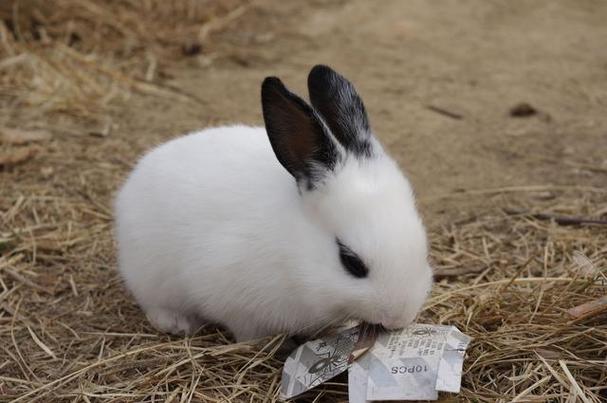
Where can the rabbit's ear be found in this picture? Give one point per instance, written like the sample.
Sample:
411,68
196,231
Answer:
335,98
299,137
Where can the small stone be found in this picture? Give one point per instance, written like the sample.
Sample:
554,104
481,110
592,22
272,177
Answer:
522,110
191,48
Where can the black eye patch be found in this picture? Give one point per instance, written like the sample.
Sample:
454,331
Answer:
351,262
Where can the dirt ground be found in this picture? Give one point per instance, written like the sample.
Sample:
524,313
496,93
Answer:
439,80
474,59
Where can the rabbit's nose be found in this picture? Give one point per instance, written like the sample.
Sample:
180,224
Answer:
396,322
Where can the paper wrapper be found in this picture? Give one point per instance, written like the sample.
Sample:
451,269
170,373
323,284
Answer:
317,361
414,363
408,364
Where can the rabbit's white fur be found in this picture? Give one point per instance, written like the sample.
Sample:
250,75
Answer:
211,228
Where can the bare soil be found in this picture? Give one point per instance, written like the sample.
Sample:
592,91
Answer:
476,60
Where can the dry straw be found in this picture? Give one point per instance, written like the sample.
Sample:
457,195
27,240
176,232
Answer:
529,290
76,56
68,331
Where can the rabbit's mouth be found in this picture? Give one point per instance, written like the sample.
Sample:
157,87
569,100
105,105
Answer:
374,327
390,322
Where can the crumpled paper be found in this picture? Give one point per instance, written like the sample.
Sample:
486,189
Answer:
413,363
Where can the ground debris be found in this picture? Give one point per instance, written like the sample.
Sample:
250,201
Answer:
522,110
559,219
589,309
445,112
23,136
15,156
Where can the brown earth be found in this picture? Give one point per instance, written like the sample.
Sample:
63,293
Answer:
474,59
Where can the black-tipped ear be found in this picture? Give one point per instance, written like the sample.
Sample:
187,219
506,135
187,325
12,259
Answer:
296,132
338,103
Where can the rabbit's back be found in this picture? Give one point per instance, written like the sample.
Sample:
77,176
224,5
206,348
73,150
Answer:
197,206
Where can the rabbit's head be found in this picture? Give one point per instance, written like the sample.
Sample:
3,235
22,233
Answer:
354,192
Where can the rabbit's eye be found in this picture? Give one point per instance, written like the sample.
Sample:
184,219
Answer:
351,261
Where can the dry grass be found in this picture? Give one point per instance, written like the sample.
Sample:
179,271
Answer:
69,332
74,57
523,278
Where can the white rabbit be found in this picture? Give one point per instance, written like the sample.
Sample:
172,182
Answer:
312,227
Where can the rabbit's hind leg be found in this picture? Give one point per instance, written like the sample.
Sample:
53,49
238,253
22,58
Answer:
171,321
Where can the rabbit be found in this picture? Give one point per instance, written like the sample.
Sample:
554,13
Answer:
284,229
